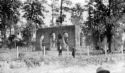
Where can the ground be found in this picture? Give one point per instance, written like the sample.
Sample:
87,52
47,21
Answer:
35,62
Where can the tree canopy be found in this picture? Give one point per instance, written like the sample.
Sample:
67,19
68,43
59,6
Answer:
102,19
34,12
9,12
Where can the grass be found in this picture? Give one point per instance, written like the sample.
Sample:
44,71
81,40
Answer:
36,59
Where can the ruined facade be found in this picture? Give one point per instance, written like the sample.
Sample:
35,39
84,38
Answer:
73,32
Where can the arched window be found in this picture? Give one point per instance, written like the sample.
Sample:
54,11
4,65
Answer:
66,35
82,38
66,40
41,41
52,40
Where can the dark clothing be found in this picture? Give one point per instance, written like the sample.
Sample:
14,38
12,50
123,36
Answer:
60,52
59,36
59,44
73,52
104,71
59,47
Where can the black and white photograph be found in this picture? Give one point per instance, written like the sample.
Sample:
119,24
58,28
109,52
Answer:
62,36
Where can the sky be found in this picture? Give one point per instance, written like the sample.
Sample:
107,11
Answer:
67,21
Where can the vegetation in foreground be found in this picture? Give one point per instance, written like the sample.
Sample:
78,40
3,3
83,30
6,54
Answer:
36,61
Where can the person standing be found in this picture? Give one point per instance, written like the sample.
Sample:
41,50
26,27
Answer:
73,52
59,44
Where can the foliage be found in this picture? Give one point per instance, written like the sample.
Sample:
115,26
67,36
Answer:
27,34
57,10
77,10
102,20
9,12
77,14
9,15
34,12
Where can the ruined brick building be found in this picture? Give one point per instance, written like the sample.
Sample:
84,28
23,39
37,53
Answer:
75,39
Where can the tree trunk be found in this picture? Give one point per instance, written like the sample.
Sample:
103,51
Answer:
10,30
109,37
109,43
4,36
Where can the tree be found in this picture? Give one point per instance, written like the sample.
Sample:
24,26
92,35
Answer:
58,10
76,14
34,14
9,14
102,20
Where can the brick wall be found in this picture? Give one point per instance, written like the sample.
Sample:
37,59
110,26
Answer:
70,29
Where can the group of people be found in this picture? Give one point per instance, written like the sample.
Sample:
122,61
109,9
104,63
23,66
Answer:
61,43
